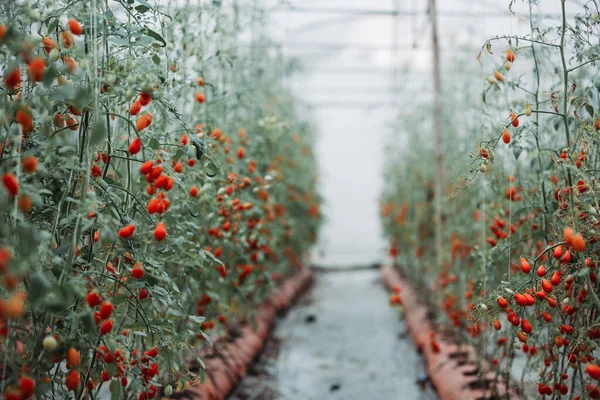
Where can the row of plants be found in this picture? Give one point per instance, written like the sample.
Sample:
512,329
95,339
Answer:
518,273
157,183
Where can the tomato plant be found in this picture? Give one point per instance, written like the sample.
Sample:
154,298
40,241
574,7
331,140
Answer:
156,184
518,276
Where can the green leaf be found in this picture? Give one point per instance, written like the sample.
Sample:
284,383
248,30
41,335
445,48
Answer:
39,288
197,319
116,389
42,388
86,320
589,109
144,3
155,36
112,370
178,155
156,59
53,25
153,144
142,9
98,131
212,257
135,385
211,169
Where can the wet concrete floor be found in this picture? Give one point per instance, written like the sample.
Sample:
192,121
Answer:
341,341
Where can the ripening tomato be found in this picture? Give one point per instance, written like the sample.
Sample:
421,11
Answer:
26,387
160,232
106,327
75,27
510,56
578,242
135,108
24,118
527,328
593,371
93,299
29,164
144,98
143,122
126,231
24,203
502,303
137,271
514,119
135,146
36,69
546,286
555,278
73,357
558,252
146,167
10,184
106,310
547,317
525,267
505,136
72,380
12,80
541,271
96,171
70,65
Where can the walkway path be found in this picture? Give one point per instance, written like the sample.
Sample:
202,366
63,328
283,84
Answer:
343,341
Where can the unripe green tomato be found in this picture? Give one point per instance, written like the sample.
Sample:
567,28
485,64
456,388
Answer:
34,15
507,65
516,346
168,391
491,155
482,168
54,55
528,109
490,80
50,343
130,93
483,307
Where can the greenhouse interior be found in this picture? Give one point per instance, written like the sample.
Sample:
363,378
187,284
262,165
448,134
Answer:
299,199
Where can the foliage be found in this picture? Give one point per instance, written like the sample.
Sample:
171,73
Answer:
156,183
518,277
